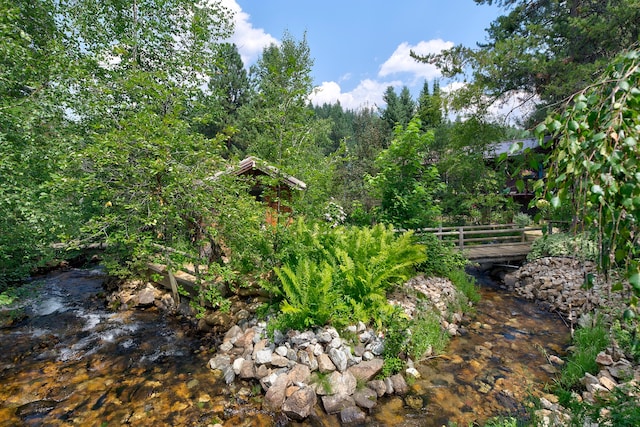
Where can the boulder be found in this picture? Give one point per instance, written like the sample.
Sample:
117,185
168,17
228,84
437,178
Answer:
367,369
352,415
336,403
299,405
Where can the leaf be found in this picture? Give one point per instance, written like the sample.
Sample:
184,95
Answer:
589,281
555,202
596,189
634,280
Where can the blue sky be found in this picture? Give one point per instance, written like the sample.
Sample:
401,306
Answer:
360,47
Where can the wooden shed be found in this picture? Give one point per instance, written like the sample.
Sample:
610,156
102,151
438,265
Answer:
268,185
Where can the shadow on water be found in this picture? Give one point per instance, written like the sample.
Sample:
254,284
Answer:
72,362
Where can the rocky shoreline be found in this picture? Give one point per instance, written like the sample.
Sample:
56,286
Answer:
301,369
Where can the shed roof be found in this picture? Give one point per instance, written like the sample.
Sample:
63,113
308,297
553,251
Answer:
254,163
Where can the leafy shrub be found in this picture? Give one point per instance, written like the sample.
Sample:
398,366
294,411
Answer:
333,275
441,257
522,219
466,284
564,244
309,297
426,332
627,335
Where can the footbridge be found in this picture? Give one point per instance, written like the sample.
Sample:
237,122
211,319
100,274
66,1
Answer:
489,244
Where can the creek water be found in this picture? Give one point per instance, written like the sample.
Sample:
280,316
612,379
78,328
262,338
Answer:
73,362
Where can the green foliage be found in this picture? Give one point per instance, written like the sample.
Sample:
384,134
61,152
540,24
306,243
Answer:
618,408
426,333
442,258
309,298
405,185
466,284
502,422
587,343
391,366
627,335
595,164
336,275
564,244
522,219
549,49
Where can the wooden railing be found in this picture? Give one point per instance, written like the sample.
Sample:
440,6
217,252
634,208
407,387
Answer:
480,234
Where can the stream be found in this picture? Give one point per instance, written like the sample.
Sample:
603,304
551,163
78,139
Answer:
73,362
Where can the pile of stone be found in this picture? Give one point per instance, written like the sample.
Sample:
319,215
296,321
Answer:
558,284
299,369
615,373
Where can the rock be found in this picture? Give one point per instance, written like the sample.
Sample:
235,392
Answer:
228,374
218,318
556,360
413,372
247,370
303,338
389,386
308,359
549,369
589,379
365,398
300,374
246,339
399,384
263,357
367,369
604,359
232,334
299,405
337,402
342,383
414,402
276,395
219,362
146,296
352,415
325,364
282,351
339,359
378,386
608,383
279,361
376,348
237,365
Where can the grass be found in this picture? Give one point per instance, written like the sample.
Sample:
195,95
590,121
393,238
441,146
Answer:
588,342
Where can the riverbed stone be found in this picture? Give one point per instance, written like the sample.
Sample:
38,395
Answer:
247,369
325,364
365,398
339,359
367,369
276,395
219,362
337,402
300,374
341,383
299,405
263,357
352,415
399,384
378,386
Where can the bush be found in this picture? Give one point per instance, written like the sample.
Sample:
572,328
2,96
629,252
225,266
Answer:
442,258
564,244
336,275
522,219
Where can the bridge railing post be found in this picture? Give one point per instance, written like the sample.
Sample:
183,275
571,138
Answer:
461,237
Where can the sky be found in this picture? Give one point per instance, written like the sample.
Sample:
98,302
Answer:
360,47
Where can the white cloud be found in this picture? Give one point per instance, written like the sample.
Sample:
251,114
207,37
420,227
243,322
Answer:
368,93
249,40
402,62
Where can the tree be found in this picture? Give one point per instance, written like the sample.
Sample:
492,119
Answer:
399,109
429,109
229,90
405,184
141,167
279,126
594,166
541,49
34,140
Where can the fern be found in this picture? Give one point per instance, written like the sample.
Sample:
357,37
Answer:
309,297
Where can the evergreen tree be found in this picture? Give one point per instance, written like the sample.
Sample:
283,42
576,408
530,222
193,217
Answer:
430,106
